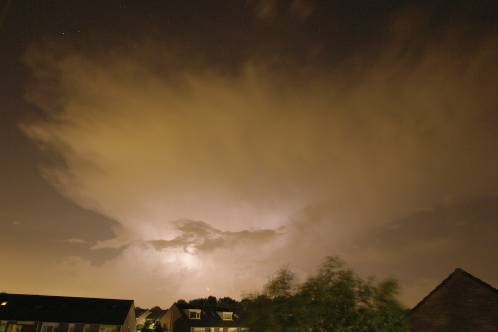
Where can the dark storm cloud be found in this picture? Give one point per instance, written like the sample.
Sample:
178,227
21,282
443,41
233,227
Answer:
199,236
420,248
265,9
468,223
269,9
423,247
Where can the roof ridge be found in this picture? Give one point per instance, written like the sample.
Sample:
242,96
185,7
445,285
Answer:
25,307
442,283
469,275
65,296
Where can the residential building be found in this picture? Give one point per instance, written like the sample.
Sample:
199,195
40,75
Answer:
461,303
141,315
40,313
157,316
186,318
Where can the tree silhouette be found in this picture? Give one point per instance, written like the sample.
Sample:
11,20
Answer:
335,299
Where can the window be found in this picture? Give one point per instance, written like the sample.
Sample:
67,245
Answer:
49,327
194,315
14,328
198,329
227,316
109,328
232,329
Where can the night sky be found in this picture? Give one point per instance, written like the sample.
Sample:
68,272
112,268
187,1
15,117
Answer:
158,150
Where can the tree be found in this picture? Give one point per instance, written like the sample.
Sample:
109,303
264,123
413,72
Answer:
181,302
205,303
158,327
335,299
282,284
329,298
229,303
146,327
258,313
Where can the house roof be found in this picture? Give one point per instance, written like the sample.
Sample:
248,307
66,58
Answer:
189,306
209,317
139,311
45,308
461,302
156,314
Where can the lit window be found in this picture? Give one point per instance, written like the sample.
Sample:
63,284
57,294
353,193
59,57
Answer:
194,315
14,328
226,316
50,327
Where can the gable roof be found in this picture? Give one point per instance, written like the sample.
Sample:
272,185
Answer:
140,311
156,314
45,308
461,302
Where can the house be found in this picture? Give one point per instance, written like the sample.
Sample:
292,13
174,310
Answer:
150,317
460,303
186,318
40,313
141,315
156,316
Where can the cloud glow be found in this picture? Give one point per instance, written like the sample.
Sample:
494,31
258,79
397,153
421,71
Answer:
217,178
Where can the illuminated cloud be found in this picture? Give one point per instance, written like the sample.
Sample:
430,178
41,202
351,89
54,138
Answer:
281,165
198,236
76,241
